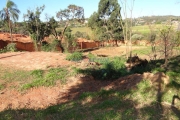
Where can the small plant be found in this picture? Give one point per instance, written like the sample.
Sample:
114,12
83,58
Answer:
11,47
3,50
37,73
91,56
48,47
76,56
1,87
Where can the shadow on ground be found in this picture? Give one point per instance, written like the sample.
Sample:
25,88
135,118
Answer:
103,99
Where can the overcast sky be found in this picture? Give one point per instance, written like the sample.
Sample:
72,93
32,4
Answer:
141,7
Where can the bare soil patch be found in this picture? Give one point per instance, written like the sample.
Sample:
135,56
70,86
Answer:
34,60
42,97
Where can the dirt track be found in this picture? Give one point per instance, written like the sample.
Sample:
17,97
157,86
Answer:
33,60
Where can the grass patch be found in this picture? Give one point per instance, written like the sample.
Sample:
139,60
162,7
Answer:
110,69
1,86
144,51
10,75
47,78
76,56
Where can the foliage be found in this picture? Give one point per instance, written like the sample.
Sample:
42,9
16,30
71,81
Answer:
9,14
71,14
50,47
137,37
79,34
169,40
11,47
37,29
105,23
76,56
110,69
47,79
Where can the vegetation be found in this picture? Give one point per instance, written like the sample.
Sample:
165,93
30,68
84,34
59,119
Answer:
105,23
72,13
9,14
113,97
76,56
47,79
37,29
11,47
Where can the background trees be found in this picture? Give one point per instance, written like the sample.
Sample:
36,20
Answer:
37,29
105,23
72,14
9,14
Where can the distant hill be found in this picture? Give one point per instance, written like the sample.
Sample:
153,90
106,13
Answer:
155,19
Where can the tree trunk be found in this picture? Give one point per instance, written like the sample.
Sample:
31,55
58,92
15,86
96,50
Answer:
10,29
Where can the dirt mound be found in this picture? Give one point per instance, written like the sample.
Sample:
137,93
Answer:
42,97
131,81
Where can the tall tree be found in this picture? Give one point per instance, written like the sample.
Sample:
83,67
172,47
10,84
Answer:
38,29
106,22
10,13
71,14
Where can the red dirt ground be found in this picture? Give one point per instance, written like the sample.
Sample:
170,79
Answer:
33,60
42,97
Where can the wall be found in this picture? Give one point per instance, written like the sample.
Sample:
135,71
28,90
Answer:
3,44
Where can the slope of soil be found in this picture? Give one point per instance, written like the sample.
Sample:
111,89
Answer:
42,97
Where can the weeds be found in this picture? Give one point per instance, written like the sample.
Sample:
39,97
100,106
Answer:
47,79
76,56
109,70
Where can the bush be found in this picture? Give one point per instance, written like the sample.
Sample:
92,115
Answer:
49,47
109,70
91,56
11,47
137,37
76,56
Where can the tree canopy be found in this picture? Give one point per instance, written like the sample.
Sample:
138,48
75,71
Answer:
9,13
105,23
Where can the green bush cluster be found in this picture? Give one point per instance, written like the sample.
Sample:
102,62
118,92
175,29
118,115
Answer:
110,69
11,47
137,37
76,56
49,47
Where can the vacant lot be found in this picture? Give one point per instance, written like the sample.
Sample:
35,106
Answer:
44,85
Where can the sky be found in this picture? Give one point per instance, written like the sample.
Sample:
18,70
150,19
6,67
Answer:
141,7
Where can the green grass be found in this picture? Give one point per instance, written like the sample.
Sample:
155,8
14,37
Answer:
145,101
102,105
35,78
10,74
47,78
76,56
144,29
142,51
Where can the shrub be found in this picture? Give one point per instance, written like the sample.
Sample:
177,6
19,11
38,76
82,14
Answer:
109,70
11,47
137,37
49,47
76,56
91,56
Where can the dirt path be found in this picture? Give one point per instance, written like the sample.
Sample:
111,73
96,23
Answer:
33,60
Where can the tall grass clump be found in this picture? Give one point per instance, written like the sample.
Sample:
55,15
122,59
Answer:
76,56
